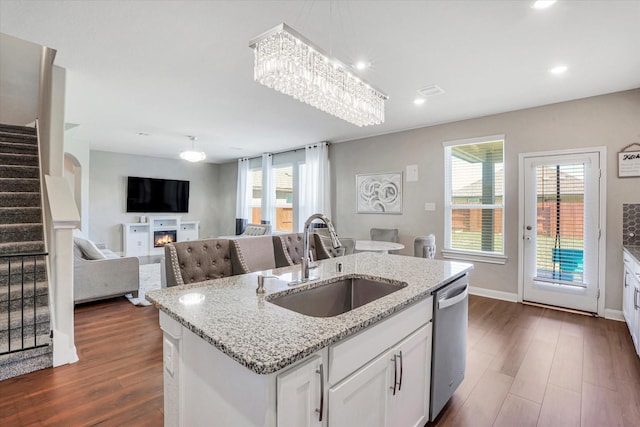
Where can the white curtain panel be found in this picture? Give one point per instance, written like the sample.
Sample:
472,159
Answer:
243,195
268,211
317,185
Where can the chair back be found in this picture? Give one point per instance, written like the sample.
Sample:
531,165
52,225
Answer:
252,254
288,248
425,246
325,249
384,234
197,260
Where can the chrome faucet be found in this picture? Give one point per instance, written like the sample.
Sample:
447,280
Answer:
335,242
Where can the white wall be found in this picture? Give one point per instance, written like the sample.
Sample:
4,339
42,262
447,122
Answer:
108,187
610,120
80,150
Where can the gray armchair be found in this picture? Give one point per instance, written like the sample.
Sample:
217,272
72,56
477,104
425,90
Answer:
96,278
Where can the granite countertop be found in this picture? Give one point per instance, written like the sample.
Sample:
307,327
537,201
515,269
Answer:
634,251
265,337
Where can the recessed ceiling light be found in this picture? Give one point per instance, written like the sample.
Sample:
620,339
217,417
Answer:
543,4
419,101
558,70
362,65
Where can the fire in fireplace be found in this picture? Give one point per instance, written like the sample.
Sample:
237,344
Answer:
161,238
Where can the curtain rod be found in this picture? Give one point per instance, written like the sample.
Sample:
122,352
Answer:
292,150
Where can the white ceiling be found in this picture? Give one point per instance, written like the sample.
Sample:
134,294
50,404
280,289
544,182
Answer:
177,68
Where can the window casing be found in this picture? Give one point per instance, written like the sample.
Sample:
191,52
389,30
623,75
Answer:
474,199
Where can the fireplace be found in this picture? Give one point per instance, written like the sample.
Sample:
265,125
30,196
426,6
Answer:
162,237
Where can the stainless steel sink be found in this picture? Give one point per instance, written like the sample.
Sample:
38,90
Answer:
336,297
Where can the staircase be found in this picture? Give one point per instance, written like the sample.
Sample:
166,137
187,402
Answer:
25,343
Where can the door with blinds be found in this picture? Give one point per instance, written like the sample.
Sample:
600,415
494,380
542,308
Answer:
561,230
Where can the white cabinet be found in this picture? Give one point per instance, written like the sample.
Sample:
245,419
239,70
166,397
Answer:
392,390
188,230
301,396
631,298
377,377
136,239
362,399
148,238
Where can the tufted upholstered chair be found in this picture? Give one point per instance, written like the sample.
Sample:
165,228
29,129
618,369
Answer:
252,254
324,247
197,260
287,249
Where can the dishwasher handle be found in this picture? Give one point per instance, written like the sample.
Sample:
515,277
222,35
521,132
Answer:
448,302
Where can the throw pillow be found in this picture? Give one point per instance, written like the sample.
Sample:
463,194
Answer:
88,248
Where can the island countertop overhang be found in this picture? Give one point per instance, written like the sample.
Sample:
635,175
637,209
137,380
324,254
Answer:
265,337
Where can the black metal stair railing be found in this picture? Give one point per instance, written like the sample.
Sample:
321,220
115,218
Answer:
22,272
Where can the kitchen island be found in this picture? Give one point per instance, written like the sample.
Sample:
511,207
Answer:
231,357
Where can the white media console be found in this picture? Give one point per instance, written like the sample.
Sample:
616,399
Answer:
148,238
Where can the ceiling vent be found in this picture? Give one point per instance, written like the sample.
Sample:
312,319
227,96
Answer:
430,91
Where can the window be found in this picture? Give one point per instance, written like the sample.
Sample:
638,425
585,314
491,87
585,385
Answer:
285,178
474,199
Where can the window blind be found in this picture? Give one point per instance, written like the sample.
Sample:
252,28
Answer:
475,196
560,223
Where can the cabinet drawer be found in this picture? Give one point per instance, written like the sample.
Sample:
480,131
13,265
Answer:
354,352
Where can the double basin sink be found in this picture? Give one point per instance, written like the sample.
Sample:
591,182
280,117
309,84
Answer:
336,296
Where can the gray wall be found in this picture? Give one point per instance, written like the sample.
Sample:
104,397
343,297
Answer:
108,187
609,120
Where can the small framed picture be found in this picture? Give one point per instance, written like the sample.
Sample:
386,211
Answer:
379,193
628,164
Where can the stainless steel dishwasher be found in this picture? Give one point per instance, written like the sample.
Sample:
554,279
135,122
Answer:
449,357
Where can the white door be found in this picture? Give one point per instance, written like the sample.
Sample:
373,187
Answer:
410,406
561,229
361,400
300,400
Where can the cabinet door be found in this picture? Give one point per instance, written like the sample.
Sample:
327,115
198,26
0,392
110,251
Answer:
635,327
299,395
627,297
410,405
362,399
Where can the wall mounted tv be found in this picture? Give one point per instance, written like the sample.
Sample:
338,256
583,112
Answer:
157,195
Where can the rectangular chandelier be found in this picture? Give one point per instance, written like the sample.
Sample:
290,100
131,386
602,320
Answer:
289,63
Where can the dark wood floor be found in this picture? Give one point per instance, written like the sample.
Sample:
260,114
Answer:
526,366
117,382
529,366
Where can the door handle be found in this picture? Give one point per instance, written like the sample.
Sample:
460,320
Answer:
395,373
444,303
321,372
401,365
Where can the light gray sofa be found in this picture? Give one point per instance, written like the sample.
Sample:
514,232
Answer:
95,279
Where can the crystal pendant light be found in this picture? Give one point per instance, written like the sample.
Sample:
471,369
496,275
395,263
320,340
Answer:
289,63
193,155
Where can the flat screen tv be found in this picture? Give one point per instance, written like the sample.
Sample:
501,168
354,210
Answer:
157,195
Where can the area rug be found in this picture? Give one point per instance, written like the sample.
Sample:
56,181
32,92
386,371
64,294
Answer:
149,281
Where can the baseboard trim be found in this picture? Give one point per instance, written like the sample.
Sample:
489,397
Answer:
490,293
614,315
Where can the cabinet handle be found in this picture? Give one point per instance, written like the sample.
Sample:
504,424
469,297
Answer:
626,276
400,383
395,373
321,410
635,299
